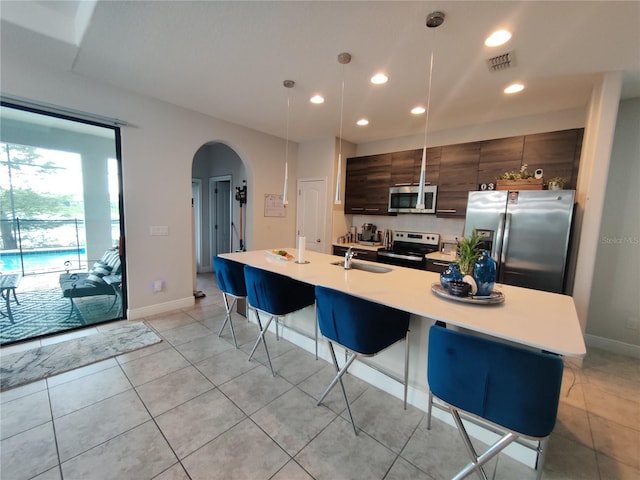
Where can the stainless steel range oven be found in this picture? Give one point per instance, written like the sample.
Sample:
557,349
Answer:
409,249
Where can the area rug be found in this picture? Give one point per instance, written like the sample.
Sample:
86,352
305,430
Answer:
37,363
44,312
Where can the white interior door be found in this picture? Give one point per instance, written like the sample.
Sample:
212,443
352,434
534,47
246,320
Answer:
310,215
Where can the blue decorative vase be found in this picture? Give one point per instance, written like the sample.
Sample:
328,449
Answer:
484,273
451,273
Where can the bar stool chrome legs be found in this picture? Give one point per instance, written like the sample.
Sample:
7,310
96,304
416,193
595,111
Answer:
513,389
231,282
274,295
363,328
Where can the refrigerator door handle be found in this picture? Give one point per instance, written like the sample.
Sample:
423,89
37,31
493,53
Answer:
497,246
505,245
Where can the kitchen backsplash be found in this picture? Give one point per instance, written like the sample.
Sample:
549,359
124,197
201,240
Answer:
448,228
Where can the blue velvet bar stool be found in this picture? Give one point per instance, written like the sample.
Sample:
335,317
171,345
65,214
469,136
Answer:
363,328
273,295
230,276
514,389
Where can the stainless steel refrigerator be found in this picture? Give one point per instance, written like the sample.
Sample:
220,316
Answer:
528,233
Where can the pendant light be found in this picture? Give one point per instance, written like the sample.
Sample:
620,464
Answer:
434,19
344,59
288,84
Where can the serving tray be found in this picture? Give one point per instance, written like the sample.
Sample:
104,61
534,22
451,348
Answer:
493,299
275,256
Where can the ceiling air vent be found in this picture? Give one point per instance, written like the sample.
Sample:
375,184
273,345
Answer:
501,62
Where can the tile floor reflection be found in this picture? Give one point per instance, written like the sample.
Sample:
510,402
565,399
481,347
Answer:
193,407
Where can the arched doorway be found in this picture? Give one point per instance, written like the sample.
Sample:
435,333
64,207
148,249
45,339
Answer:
219,170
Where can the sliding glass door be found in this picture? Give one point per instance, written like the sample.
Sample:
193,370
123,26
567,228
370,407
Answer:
60,224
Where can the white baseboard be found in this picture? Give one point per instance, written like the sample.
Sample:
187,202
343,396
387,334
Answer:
613,346
158,308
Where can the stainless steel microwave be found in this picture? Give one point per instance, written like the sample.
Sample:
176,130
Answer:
403,199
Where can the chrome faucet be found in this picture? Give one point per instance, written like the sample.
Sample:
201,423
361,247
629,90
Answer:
348,256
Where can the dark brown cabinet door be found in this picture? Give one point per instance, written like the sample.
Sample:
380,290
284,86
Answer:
378,181
367,184
458,176
402,167
554,153
405,167
355,185
497,157
432,171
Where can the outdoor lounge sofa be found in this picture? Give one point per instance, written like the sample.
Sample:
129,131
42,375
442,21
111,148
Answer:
91,283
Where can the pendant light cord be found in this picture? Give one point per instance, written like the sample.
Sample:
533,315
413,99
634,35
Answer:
286,148
341,113
343,58
426,122
288,84
420,200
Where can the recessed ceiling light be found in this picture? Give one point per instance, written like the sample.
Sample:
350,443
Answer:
497,38
363,122
419,110
514,88
379,79
317,99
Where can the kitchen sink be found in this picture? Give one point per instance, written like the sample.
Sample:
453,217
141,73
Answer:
365,267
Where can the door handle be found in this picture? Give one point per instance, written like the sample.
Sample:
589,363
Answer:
505,245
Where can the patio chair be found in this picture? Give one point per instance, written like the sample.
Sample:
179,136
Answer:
91,283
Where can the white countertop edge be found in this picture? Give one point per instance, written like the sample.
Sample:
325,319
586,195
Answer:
541,320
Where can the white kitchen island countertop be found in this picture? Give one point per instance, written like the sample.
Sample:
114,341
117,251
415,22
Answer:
542,320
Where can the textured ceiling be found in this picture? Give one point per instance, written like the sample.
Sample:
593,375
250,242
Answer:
229,59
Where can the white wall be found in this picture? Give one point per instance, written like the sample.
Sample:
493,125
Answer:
158,147
548,122
315,161
614,296
591,185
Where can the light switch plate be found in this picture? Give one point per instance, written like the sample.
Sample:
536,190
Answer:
159,230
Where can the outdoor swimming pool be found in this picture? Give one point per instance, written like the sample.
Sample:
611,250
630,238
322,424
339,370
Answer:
38,261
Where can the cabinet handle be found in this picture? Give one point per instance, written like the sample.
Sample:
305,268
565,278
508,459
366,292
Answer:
439,264
372,209
450,210
356,208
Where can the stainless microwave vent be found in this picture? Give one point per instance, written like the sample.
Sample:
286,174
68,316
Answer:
501,62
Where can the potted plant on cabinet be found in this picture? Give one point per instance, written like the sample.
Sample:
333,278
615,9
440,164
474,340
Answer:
520,180
556,183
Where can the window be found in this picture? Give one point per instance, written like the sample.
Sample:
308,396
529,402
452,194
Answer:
60,212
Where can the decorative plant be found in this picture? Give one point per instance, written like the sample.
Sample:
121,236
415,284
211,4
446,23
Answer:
522,174
559,181
468,252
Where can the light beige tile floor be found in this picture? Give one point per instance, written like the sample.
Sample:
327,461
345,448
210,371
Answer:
194,407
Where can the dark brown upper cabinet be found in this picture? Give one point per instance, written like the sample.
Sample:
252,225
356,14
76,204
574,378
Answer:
406,165
459,169
554,153
458,176
367,184
499,156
